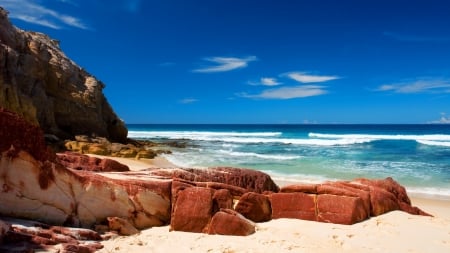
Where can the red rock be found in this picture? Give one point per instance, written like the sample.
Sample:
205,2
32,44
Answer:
16,134
296,205
222,200
255,206
382,201
389,185
4,228
340,209
229,222
29,235
345,189
305,188
78,161
80,198
192,210
251,180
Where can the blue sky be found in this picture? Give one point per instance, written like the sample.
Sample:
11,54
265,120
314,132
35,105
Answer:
248,61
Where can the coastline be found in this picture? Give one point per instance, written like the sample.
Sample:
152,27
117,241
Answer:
391,232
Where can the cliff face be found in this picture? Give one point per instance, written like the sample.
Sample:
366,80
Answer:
40,83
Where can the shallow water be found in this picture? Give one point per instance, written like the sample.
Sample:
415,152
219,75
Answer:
418,156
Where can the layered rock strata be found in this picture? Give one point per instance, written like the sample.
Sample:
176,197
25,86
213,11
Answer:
40,83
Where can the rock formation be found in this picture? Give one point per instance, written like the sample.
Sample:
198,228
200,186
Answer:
34,185
41,84
28,236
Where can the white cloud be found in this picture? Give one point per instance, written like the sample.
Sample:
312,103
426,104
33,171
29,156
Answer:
304,77
268,81
265,81
188,101
418,86
225,64
443,120
289,92
35,13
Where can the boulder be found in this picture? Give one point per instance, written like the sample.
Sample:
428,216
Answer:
388,195
28,236
222,199
48,192
192,209
40,83
336,209
230,222
255,207
295,205
250,180
341,202
78,161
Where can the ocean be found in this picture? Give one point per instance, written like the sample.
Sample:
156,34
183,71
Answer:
417,156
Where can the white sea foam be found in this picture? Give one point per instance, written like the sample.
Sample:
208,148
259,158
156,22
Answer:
244,137
262,156
426,137
197,135
435,143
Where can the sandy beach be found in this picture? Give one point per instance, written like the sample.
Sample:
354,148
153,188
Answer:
392,232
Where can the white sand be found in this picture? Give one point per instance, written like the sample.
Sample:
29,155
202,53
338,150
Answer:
392,232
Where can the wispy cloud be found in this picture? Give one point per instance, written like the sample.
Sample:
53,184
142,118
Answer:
188,100
225,64
304,77
288,92
266,81
418,86
36,13
415,38
443,120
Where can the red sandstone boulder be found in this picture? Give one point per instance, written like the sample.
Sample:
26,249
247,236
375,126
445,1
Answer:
295,205
255,206
344,202
26,236
222,200
388,195
345,210
251,180
50,193
78,161
192,209
229,222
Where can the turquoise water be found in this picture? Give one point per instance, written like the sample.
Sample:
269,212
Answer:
418,156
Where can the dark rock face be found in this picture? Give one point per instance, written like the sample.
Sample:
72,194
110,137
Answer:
41,84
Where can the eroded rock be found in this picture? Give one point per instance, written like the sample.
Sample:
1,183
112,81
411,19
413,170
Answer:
40,83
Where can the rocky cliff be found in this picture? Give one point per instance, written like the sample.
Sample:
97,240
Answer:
40,83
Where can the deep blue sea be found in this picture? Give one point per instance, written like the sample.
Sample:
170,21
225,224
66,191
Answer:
418,156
